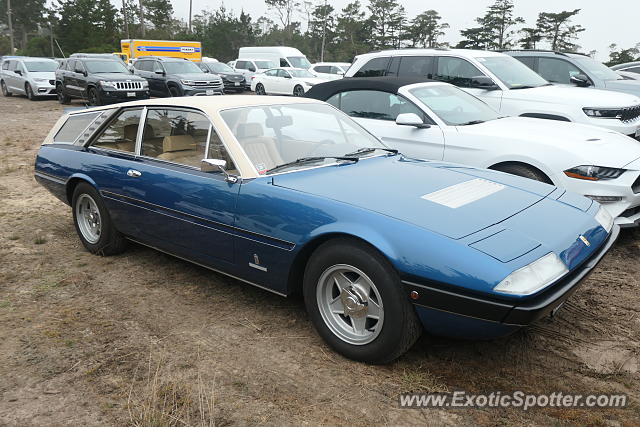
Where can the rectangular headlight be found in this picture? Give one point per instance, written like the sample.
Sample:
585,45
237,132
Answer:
605,219
533,277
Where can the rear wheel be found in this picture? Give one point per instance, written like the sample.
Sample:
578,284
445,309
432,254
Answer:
94,97
63,98
93,223
260,89
355,301
5,90
29,92
525,171
298,91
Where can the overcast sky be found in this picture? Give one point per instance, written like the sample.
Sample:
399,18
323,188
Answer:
605,22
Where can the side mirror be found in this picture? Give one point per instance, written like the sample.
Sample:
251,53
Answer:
580,80
483,82
253,70
18,72
411,119
287,76
159,72
217,165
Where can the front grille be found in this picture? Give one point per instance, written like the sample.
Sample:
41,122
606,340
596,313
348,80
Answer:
210,84
630,114
234,78
636,186
129,85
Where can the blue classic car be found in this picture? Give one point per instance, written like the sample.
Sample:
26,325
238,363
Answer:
291,195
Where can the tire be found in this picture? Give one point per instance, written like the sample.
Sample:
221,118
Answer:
174,91
63,98
354,333
93,223
29,92
5,90
93,96
260,89
525,171
298,91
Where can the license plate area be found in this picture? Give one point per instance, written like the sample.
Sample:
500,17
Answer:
210,92
131,94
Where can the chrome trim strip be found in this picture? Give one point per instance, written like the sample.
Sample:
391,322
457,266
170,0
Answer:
50,177
258,267
209,268
141,124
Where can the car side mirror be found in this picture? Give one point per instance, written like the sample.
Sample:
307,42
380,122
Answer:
18,72
287,76
411,119
580,80
483,82
217,165
159,72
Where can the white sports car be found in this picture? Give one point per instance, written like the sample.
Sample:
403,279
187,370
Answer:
438,121
284,81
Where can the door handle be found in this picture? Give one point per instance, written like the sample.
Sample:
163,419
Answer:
134,173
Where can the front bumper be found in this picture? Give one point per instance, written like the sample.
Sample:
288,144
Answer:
44,89
202,91
113,96
485,309
231,86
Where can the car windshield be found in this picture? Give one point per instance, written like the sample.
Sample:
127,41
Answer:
454,106
106,67
36,66
273,135
219,67
181,67
513,73
299,62
265,65
300,73
596,68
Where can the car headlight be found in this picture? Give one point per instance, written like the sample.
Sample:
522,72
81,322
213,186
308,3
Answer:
145,83
187,82
603,113
594,173
107,84
605,219
533,277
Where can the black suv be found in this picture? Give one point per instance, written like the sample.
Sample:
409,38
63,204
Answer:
99,81
176,77
232,80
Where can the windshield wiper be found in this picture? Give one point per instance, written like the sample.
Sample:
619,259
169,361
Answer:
305,160
367,150
472,122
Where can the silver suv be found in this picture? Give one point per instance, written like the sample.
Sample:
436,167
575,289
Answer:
33,77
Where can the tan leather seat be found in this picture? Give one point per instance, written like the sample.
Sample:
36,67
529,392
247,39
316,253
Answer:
260,149
180,149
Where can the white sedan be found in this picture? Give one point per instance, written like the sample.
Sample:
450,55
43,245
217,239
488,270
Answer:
330,70
438,121
284,81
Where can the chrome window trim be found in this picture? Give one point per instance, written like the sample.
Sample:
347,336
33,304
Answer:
141,124
117,113
84,113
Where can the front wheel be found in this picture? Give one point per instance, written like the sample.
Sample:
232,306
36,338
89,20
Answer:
260,89
29,92
174,91
93,223
94,97
5,90
298,91
355,301
63,98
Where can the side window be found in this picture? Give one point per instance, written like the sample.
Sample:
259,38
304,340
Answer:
139,65
335,100
12,65
73,127
376,67
529,61
416,66
5,65
372,104
633,70
121,133
79,68
283,74
271,73
557,70
71,63
456,71
284,63
242,65
180,136
322,69
156,67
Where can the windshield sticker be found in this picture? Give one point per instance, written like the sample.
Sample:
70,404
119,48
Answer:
262,168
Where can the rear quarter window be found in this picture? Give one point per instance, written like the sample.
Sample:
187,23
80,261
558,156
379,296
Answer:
74,127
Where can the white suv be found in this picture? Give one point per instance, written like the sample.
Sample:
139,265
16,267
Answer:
507,85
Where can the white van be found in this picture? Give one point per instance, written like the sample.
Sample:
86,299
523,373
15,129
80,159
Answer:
282,56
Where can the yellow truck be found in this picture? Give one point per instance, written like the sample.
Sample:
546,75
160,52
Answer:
175,49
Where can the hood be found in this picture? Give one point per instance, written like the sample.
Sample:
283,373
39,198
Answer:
569,95
234,77
49,75
451,200
196,76
593,144
117,77
627,86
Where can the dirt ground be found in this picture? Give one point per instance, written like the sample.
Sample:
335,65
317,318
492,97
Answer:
146,339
